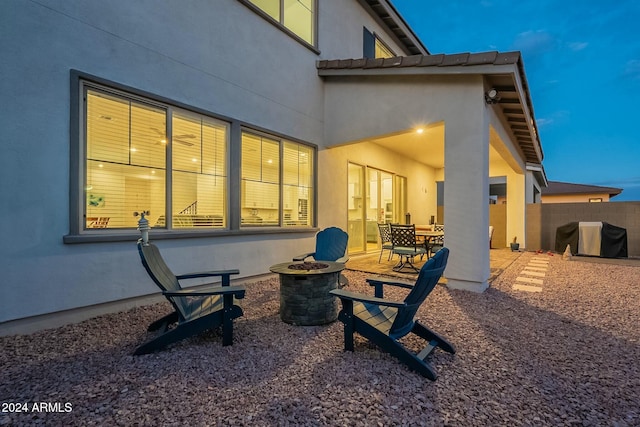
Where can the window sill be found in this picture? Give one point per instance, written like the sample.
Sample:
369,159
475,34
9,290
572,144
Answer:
134,235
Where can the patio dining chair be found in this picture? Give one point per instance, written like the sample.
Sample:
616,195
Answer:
437,242
405,245
385,239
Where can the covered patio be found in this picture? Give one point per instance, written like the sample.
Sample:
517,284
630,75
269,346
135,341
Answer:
451,120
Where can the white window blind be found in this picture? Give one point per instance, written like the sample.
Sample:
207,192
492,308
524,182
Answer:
264,160
126,164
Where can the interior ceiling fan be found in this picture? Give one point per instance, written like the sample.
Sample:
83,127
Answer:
182,139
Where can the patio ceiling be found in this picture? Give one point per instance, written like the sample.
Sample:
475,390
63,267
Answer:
426,147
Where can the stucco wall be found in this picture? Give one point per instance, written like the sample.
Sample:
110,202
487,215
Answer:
219,57
544,219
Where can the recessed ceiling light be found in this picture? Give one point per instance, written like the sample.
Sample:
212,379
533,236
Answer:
420,130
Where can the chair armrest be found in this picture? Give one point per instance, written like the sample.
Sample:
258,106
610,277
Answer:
236,290
301,257
208,274
353,296
376,282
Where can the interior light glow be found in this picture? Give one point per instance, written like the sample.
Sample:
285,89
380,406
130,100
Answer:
420,130
194,160
133,149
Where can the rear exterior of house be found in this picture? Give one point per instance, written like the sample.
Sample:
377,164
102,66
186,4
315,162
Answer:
220,120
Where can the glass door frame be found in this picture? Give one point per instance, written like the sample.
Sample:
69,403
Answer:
362,218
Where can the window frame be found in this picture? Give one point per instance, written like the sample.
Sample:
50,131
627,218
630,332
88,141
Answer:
282,140
280,25
370,42
77,169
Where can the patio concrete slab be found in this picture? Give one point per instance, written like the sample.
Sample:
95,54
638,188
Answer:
499,260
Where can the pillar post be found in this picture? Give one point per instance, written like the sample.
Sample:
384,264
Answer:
466,196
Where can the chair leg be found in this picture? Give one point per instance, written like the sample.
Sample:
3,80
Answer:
229,312
408,358
346,317
163,322
430,336
405,261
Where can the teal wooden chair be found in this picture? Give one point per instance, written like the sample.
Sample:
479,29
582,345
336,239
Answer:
331,245
384,322
195,310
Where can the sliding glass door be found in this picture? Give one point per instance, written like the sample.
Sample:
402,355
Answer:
384,201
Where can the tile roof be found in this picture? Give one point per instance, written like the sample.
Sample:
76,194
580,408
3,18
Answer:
556,187
439,60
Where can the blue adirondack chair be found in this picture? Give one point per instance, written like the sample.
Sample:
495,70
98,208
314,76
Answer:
384,321
331,245
196,310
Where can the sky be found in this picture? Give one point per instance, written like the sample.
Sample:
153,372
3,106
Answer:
582,63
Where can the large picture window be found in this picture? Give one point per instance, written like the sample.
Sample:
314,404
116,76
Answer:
298,16
141,154
276,182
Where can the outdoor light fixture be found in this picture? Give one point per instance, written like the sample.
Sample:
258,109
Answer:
491,96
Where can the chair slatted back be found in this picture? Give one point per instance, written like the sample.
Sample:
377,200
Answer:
403,235
438,240
427,280
385,233
161,274
331,244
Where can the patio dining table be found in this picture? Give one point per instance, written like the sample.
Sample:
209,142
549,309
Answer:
428,234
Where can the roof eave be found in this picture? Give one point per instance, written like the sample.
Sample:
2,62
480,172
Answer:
387,16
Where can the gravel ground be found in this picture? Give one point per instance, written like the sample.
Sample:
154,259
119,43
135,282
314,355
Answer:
568,355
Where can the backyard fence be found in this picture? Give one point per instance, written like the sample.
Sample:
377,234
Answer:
543,220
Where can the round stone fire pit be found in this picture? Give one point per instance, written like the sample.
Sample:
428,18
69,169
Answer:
304,292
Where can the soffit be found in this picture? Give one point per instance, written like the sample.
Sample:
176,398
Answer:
388,16
502,71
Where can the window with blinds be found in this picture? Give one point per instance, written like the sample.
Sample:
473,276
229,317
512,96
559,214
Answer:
266,199
127,148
